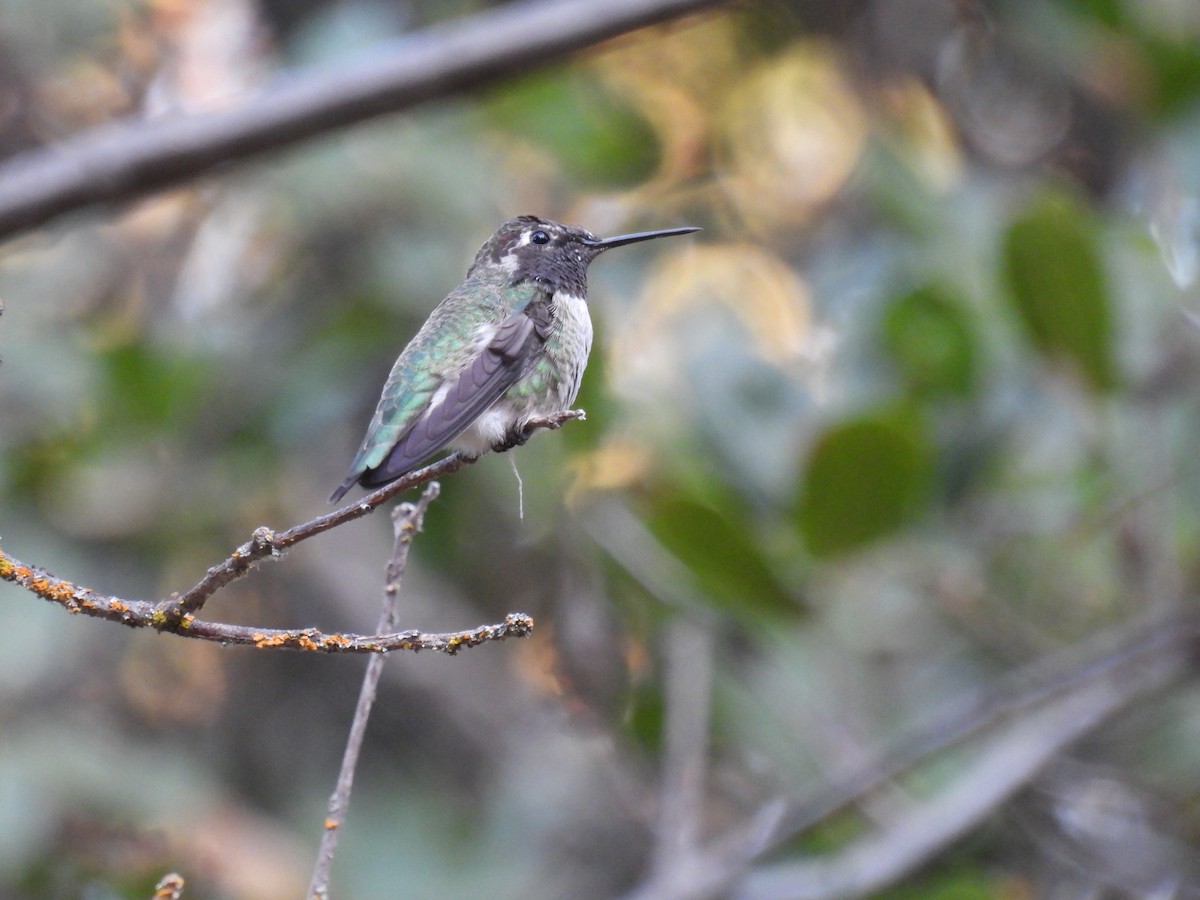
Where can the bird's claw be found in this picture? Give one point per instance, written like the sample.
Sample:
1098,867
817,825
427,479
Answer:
515,438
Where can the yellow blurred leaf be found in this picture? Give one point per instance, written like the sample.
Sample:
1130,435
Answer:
792,135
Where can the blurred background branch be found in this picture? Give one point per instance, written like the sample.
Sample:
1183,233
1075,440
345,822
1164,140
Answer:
1028,730
118,162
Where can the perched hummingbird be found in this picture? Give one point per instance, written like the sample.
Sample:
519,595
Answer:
506,346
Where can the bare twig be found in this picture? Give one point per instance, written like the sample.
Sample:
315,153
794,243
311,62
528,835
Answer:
176,615
265,543
406,520
128,159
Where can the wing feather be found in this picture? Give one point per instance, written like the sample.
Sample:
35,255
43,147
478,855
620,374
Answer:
420,410
480,385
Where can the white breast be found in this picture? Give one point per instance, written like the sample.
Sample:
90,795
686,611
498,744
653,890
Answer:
575,335
569,346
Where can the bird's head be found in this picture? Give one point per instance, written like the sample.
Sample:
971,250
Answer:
528,248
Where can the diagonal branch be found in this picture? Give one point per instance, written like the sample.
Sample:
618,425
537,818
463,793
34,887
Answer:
128,159
265,543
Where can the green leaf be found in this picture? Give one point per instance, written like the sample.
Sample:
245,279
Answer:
1053,270
929,338
724,556
864,479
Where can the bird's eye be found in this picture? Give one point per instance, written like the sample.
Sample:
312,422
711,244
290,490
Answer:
540,237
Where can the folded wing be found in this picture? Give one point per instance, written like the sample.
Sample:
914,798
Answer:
481,384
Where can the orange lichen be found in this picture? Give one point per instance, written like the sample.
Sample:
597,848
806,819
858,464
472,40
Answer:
62,592
306,643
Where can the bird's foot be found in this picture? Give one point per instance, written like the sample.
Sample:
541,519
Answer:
515,438
518,435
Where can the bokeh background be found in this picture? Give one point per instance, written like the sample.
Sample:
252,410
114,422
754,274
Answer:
911,421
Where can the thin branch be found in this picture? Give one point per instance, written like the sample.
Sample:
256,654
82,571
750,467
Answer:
124,160
265,543
177,615
515,625
407,520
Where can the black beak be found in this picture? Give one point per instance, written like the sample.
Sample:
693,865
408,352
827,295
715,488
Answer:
622,239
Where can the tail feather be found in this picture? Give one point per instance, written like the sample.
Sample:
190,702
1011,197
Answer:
395,466
340,491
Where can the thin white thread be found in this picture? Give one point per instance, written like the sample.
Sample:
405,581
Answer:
512,460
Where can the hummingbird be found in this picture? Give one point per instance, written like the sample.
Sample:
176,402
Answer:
506,346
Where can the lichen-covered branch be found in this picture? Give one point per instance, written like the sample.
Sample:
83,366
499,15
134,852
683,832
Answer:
145,614
515,625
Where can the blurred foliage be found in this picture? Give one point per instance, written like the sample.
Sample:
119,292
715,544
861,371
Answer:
1053,270
931,341
721,553
863,479
916,408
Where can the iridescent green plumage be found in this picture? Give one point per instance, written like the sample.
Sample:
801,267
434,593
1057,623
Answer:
450,333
